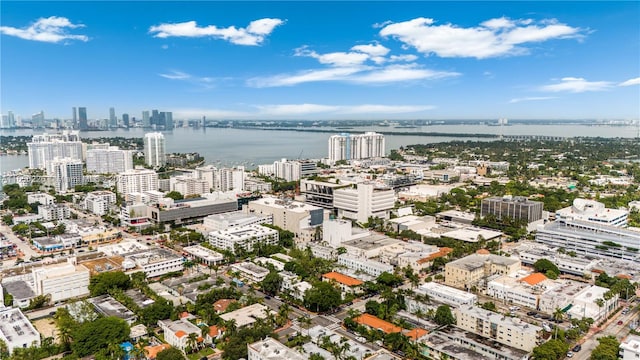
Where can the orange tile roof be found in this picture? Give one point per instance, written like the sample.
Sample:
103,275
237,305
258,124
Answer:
152,351
180,333
184,314
443,251
534,278
214,331
624,276
342,279
377,323
483,252
416,333
222,304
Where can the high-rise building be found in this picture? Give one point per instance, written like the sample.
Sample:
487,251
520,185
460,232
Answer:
66,172
109,161
8,121
293,170
137,181
155,118
125,120
154,149
168,120
74,117
113,120
37,120
146,120
517,208
44,148
364,202
354,147
82,118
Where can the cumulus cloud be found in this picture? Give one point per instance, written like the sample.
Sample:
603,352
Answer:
630,82
53,29
492,38
254,34
577,85
531,98
396,73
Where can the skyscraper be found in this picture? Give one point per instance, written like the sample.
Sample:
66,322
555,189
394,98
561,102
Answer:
113,120
155,118
146,120
37,120
66,172
74,117
82,118
43,149
125,120
154,149
168,119
353,147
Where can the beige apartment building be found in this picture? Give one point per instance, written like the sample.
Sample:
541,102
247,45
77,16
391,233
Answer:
472,270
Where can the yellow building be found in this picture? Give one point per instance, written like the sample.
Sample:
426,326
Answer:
474,269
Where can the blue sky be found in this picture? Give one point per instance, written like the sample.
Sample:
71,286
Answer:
323,60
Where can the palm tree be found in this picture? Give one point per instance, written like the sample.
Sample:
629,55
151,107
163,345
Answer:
558,314
65,324
600,303
305,322
4,350
137,352
192,342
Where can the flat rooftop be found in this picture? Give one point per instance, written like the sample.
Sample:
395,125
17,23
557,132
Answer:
247,315
472,234
270,348
203,253
108,306
294,206
372,241
243,232
475,261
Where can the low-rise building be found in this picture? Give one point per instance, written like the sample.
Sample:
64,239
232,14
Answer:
16,331
445,295
456,344
236,219
176,333
630,348
250,271
108,306
203,255
585,304
248,315
191,210
371,267
271,349
98,202
299,218
246,237
154,262
347,284
505,330
375,323
473,269
57,242
61,282
594,212
54,212
41,198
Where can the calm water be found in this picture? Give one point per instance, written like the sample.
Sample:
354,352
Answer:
226,146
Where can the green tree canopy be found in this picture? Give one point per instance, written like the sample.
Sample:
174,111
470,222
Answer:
271,283
101,283
322,297
174,195
92,336
170,354
546,267
551,350
607,349
444,316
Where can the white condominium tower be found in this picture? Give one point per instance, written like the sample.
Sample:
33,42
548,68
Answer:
137,180
46,147
154,148
354,147
109,161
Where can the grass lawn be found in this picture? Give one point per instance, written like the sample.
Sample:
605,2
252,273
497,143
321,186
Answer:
197,356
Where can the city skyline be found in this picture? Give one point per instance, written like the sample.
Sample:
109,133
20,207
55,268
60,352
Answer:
318,61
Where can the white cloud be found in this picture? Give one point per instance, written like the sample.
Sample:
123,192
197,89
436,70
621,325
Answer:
630,82
335,58
53,29
494,37
201,81
405,57
386,109
371,49
357,74
577,85
252,35
531,98
296,109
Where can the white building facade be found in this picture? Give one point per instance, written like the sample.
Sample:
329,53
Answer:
137,181
364,201
109,161
154,149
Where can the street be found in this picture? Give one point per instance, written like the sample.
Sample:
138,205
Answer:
611,328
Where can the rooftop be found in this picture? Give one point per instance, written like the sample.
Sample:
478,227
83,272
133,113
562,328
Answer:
293,206
270,348
203,253
475,261
534,278
377,323
221,305
108,306
247,315
16,328
342,279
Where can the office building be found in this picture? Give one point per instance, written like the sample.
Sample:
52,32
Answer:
83,123
154,261
246,237
319,193
495,326
125,120
136,181
583,305
154,149
113,120
364,201
193,209
518,208
593,212
8,121
591,239
109,161
74,117
355,147
146,119
37,120
472,270
16,331
299,218
46,147
62,282
67,173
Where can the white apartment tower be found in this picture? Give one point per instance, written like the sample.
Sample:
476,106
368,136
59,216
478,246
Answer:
66,172
46,147
137,181
354,147
109,161
364,201
154,149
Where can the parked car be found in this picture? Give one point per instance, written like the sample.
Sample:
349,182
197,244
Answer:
577,348
569,354
531,313
619,322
